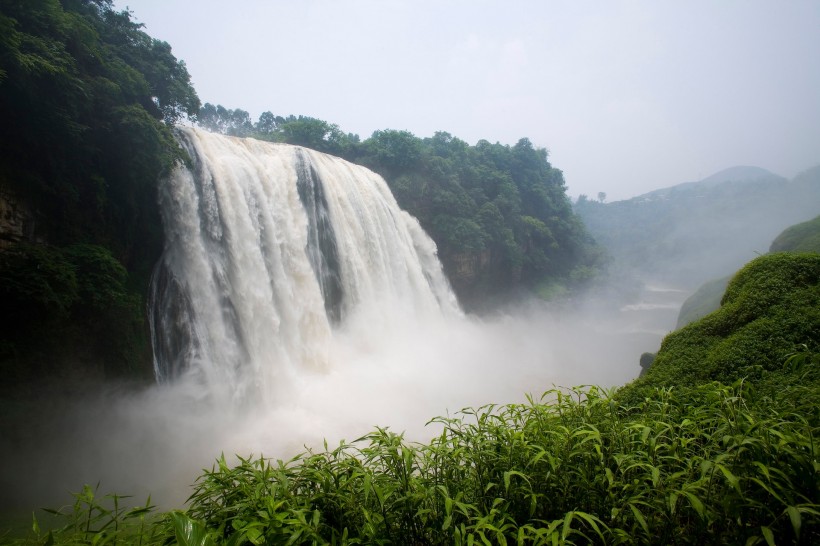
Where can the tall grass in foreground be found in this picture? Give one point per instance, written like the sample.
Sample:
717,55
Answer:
682,467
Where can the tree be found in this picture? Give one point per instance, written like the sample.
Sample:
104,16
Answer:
89,100
601,196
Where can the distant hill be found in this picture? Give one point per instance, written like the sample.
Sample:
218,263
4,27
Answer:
696,231
739,174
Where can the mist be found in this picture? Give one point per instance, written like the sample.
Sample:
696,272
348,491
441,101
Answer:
296,304
694,232
156,440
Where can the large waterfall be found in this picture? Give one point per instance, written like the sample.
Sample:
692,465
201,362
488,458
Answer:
270,250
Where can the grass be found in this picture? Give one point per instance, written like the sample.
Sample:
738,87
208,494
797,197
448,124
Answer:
692,466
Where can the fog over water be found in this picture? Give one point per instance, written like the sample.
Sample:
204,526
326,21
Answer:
261,357
156,440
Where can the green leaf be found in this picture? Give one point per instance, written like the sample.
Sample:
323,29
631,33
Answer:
695,502
567,527
640,518
673,503
768,535
254,534
189,532
731,478
794,516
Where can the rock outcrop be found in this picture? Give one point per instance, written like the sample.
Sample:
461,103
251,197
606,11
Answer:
16,219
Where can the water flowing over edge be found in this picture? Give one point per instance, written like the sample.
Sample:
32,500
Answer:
270,249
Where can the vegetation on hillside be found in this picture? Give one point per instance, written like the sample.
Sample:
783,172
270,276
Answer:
716,444
705,465
803,237
91,99
705,300
771,310
87,99
499,214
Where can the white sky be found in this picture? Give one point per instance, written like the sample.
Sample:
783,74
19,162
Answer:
627,96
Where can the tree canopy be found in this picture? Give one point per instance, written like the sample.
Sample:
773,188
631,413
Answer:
87,101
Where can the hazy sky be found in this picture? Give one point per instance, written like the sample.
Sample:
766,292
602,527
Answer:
626,96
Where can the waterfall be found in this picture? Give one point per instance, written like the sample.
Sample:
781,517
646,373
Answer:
271,250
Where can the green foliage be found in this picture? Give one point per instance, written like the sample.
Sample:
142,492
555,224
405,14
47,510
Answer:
94,519
694,466
705,300
88,99
301,131
578,468
770,307
73,300
804,237
38,276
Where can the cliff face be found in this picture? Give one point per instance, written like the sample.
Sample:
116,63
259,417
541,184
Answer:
16,219
466,266
467,272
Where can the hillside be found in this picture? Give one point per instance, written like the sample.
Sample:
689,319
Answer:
673,458
87,101
803,237
696,231
770,310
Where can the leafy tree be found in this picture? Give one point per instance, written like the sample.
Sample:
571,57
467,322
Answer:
91,99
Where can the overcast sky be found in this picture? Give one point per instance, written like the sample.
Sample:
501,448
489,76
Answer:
627,96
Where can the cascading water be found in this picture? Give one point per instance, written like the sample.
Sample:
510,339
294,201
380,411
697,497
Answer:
270,248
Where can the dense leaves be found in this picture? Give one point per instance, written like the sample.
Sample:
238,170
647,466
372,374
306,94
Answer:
803,237
86,99
698,466
68,301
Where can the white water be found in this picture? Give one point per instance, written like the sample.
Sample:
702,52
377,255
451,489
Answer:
239,300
